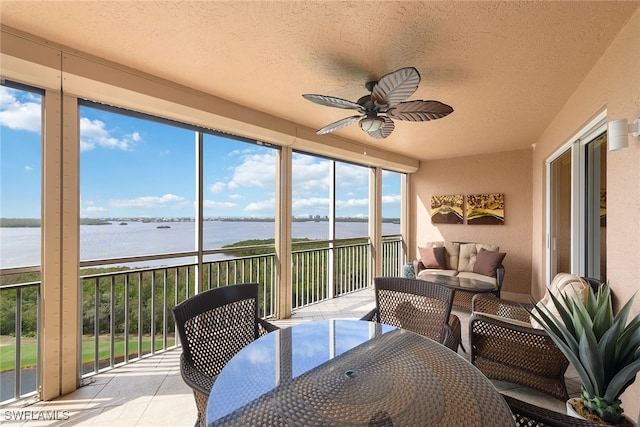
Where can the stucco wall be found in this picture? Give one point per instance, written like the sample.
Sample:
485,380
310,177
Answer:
508,173
613,84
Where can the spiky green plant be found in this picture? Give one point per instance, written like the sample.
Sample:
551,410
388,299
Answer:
603,348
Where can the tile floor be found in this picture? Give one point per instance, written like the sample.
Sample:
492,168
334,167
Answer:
150,392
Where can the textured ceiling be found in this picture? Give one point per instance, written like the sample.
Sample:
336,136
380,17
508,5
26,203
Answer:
505,67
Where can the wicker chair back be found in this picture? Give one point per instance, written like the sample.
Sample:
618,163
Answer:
418,306
213,326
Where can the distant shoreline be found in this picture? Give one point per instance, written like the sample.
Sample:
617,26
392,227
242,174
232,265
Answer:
35,222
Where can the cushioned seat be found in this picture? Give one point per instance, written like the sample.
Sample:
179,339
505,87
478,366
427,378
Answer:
506,346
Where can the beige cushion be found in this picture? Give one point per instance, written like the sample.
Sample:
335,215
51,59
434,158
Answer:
567,284
469,253
452,252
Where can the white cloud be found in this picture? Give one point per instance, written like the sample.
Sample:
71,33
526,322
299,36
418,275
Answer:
309,175
310,183
94,209
352,176
20,114
263,206
237,152
28,168
392,199
313,202
150,202
217,187
94,134
352,203
256,170
89,208
212,204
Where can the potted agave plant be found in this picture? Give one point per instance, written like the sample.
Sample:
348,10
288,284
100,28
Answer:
602,347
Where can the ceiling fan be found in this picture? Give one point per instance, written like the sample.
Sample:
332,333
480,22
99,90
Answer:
386,98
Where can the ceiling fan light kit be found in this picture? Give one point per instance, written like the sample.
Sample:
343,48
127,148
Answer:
371,124
386,97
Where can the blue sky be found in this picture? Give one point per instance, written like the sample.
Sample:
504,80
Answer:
131,167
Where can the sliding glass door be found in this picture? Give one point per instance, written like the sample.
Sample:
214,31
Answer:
560,197
596,207
576,209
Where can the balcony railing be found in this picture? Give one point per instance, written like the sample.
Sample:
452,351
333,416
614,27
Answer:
392,256
19,338
126,312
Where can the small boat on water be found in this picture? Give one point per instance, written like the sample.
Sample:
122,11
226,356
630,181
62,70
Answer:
163,226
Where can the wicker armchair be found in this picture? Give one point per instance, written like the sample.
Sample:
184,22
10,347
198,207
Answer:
418,306
213,326
528,415
505,346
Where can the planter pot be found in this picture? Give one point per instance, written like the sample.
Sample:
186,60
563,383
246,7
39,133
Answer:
577,402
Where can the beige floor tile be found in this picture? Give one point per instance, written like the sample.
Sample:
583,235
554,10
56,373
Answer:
128,412
172,386
169,413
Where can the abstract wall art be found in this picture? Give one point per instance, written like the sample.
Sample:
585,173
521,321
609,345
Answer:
447,209
485,209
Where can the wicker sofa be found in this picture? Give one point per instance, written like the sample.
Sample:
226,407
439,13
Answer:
467,260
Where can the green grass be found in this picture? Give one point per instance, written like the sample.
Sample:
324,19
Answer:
28,355
28,350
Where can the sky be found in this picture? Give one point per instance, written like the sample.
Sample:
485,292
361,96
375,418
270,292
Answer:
133,167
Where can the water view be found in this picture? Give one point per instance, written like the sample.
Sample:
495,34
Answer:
20,246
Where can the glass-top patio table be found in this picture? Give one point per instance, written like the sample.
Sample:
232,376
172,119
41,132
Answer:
465,287
356,373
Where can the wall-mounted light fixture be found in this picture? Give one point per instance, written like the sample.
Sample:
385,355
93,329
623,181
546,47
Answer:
618,133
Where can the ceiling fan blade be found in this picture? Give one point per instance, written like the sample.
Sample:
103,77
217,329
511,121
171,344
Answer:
331,101
385,130
420,111
395,87
338,125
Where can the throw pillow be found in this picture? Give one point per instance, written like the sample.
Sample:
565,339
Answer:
433,257
487,262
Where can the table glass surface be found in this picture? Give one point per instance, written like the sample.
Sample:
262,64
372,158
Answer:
462,283
356,373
